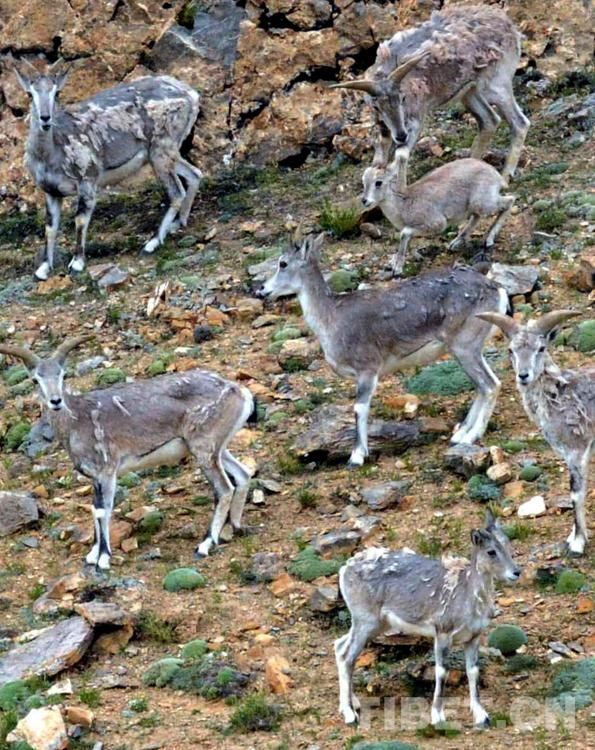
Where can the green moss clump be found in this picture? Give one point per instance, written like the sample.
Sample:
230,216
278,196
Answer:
575,682
294,364
443,378
194,649
132,479
308,565
152,522
286,334
520,663
16,435
550,219
184,579
210,678
157,367
161,672
507,638
343,281
254,714
513,446
482,489
110,376
582,337
16,374
570,582
13,693
530,473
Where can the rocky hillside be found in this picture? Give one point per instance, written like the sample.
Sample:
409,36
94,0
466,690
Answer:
236,652
261,65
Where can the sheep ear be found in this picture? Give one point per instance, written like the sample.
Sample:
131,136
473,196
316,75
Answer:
476,537
490,520
24,81
59,72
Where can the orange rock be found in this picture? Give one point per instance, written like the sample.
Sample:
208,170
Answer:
366,659
584,605
215,317
130,544
119,530
40,491
114,642
277,671
282,585
514,490
79,715
53,284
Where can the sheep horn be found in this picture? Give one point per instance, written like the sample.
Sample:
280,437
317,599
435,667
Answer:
63,350
399,73
361,84
552,320
508,325
29,358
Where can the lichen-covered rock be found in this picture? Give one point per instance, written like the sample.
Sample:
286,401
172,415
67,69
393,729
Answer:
507,639
184,579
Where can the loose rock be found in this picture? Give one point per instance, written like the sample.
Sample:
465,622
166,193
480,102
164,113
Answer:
324,599
467,460
515,279
380,496
532,508
17,509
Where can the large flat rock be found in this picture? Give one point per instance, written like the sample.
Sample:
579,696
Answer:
54,650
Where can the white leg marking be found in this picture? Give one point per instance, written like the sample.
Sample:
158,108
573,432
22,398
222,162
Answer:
43,271
151,245
77,264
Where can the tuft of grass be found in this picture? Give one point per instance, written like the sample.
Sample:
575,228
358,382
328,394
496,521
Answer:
254,714
306,498
36,591
428,544
90,697
520,531
16,436
153,628
138,705
288,464
341,221
550,219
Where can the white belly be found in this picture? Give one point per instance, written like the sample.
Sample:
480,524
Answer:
423,356
128,169
396,625
169,454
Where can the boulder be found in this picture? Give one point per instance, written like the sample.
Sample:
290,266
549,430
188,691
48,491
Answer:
17,510
42,729
383,495
467,460
56,648
324,599
515,279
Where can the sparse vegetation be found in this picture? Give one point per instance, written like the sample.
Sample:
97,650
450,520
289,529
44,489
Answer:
341,221
255,714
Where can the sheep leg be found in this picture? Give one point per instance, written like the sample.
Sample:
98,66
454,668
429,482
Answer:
384,145
193,177
467,348
464,234
87,198
240,476
480,716
487,121
347,649
578,466
45,260
223,490
103,503
366,385
164,165
397,260
505,207
441,644
505,103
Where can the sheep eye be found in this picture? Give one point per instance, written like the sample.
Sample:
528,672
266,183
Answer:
35,380
282,264
541,349
492,552
378,183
